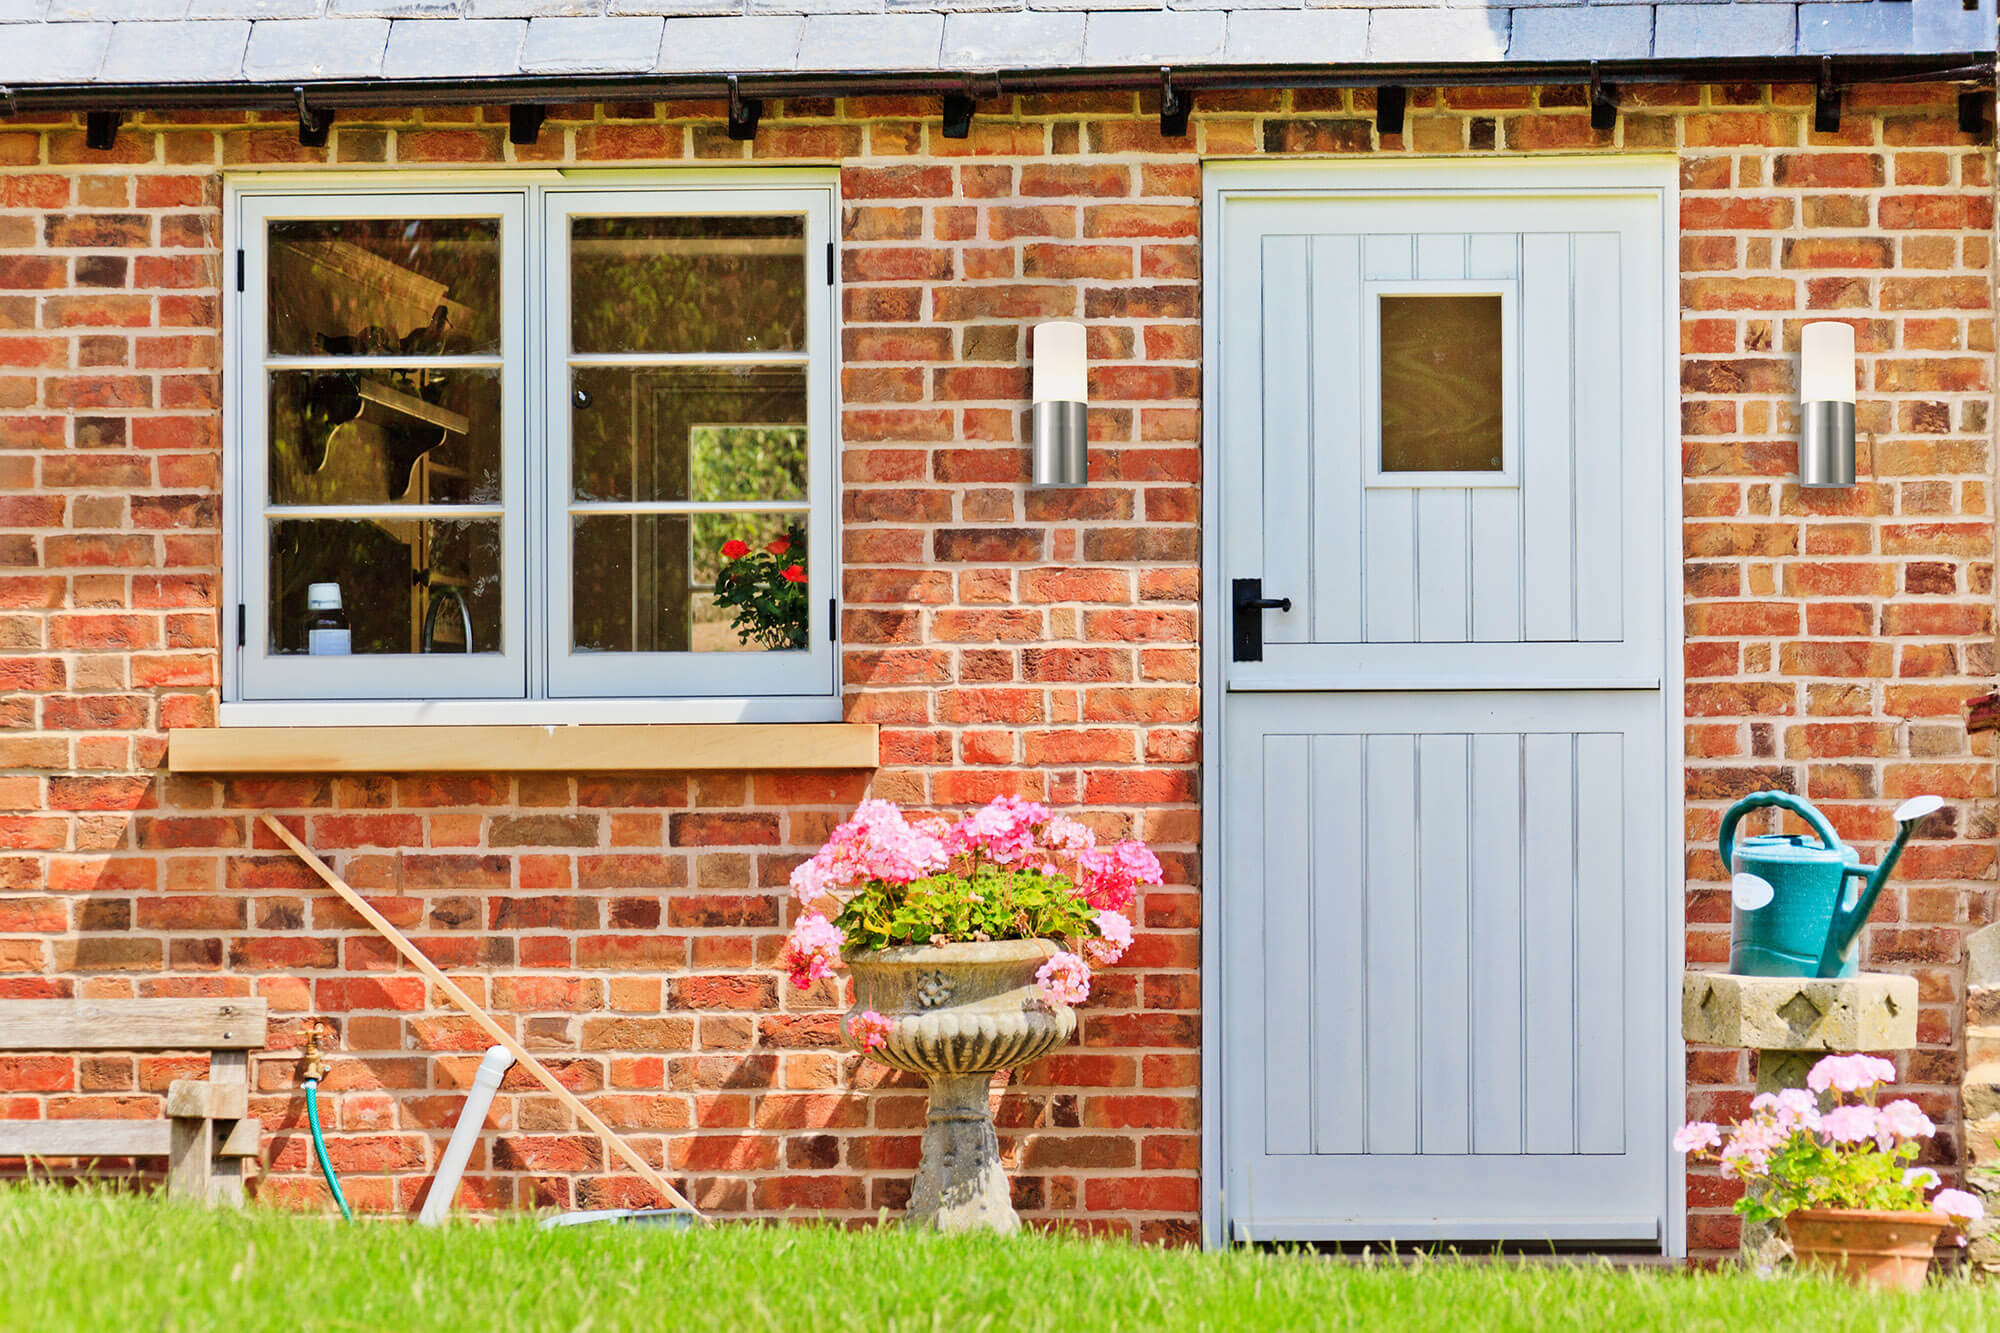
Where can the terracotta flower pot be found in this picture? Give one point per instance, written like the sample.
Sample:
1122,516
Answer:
1867,1247
957,1014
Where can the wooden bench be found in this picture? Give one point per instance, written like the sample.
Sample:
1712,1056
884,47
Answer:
207,1134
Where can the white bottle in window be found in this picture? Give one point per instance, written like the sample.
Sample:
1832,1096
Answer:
327,633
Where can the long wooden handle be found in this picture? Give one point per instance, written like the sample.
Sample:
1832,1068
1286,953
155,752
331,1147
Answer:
480,1016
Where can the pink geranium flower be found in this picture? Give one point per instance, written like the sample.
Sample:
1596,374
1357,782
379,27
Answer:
1064,979
876,844
1114,937
1849,1073
1902,1119
1695,1136
870,1030
1850,1124
1002,830
813,951
1958,1205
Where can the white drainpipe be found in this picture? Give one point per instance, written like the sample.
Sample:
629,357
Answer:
471,1119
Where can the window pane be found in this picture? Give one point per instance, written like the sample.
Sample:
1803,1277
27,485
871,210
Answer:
687,284
376,287
1441,393
393,574
381,435
649,583
688,434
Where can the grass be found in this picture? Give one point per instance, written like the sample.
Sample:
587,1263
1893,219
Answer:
92,1259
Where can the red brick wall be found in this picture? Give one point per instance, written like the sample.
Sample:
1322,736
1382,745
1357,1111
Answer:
1006,640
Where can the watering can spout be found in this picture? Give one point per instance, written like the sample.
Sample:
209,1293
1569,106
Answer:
1847,921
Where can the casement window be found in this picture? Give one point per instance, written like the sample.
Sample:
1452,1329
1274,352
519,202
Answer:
564,448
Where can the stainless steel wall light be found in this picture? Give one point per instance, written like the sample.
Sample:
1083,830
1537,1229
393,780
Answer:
1826,404
1061,413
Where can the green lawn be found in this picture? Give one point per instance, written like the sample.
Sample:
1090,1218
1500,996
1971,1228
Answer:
93,1260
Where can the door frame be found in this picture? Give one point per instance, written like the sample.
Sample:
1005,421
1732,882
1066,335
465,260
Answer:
1652,174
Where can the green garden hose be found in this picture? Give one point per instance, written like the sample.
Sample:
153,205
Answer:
319,1147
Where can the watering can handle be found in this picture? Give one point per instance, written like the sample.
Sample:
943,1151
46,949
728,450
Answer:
1783,800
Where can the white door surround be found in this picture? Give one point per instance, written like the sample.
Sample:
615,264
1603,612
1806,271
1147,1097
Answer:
1461,647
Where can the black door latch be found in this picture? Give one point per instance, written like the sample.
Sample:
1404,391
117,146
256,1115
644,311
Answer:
1247,628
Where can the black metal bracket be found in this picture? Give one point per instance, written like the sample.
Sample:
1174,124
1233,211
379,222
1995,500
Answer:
100,129
1175,103
1603,101
956,120
524,123
1392,102
1975,113
1826,100
1249,604
314,126
743,112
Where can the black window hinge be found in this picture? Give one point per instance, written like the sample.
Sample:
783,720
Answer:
239,270
242,634
829,263
833,619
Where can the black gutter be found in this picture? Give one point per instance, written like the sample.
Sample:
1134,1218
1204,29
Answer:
1959,67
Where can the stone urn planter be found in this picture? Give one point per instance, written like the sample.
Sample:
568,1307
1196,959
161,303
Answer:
1867,1247
959,1013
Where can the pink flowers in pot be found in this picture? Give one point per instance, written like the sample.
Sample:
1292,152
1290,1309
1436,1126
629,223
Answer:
1829,1145
1011,869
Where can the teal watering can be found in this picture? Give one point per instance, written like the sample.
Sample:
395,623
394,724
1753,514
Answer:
1798,906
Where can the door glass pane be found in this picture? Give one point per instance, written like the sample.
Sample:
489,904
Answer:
1442,396
675,583
679,433
394,576
377,287
687,284
381,435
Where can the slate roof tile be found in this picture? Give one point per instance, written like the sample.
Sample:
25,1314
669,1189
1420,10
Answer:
1848,28
1694,31
284,49
740,45
1601,32
872,41
185,51
591,45
453,48
1153,38
1321,37
989,41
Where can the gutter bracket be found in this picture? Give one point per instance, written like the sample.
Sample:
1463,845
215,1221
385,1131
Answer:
1175,105
1826,100
743,112
314,126
1603,101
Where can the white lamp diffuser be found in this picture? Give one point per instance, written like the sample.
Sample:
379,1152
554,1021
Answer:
1826,404
1061,404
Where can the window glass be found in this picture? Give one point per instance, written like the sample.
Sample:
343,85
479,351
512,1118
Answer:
699,433
376,287
703,583
687,284
405,585
1442,398
412,436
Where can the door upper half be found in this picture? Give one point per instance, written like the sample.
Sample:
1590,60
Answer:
1442,432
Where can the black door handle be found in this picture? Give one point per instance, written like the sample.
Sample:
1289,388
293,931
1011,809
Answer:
1247,627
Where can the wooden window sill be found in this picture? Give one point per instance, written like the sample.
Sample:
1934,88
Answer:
666,747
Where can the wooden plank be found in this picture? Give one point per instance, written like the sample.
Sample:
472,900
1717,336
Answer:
1286,958
1548,991
1496,965
1444,870
84,1138
1601,518
244,1139
1389,779
1389,566
201,1099
229,1073
1548,517
1496,564
1286,561
1337,309
1340,962
190,1158
1600,943
1444,565
680,747
132,1025
470,1008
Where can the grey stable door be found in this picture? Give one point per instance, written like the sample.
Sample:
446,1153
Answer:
1444,911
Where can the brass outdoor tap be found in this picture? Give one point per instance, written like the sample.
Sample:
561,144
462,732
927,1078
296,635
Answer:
315,1066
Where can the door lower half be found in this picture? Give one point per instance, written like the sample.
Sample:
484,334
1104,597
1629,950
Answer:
1444,910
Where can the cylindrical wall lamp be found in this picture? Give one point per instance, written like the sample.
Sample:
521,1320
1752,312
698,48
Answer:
1826,404
1061,416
